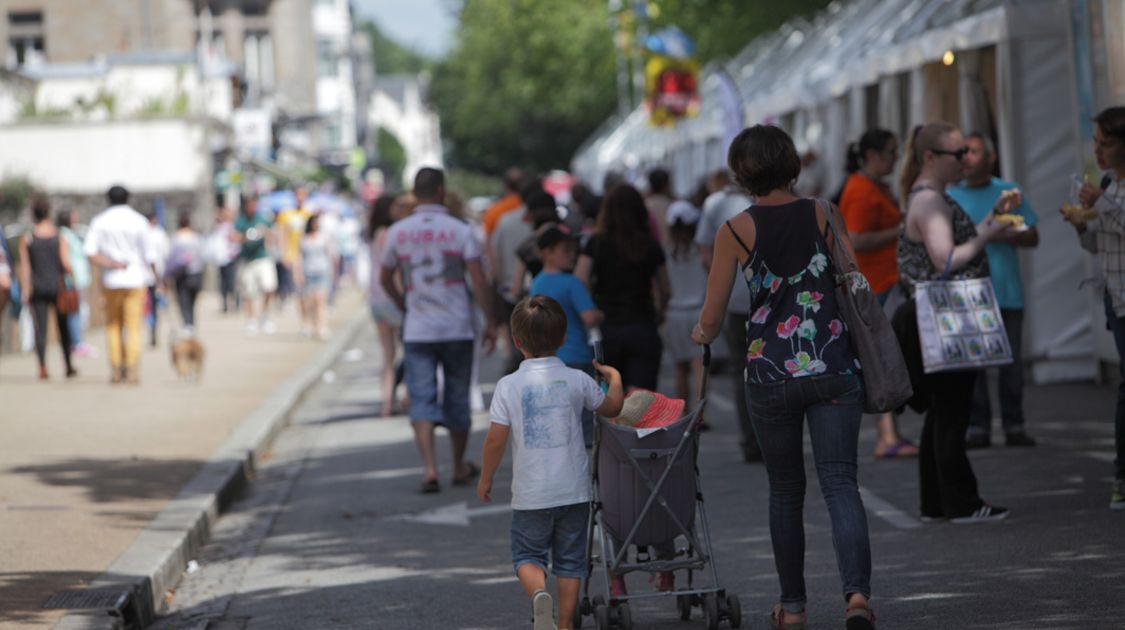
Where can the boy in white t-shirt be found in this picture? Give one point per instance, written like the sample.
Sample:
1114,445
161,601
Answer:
541,404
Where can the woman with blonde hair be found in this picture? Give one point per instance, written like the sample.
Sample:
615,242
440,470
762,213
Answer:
939,240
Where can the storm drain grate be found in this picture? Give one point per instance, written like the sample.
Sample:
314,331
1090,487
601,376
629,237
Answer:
89,599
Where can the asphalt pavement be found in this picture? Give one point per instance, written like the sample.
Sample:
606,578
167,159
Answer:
333,534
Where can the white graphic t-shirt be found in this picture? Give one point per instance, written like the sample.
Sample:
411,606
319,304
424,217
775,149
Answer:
431,248
543,403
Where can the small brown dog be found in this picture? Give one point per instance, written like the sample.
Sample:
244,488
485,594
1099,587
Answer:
187,358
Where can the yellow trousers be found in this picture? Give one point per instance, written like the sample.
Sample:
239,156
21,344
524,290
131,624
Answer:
123,310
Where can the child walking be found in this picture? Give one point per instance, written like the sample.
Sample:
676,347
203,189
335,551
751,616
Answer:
540,405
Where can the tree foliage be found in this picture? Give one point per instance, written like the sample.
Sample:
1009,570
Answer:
392,57
528,80
525,83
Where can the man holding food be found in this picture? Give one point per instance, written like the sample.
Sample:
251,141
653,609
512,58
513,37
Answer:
1100,222
978,194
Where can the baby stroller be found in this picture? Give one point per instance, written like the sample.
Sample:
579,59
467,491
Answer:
647,492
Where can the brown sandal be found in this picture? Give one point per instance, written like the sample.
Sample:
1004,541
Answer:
796,621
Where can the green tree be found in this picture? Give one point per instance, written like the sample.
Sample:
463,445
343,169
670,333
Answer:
722,28
392,156
392,57
525,83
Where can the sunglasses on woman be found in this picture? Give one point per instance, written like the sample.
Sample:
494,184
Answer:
959,154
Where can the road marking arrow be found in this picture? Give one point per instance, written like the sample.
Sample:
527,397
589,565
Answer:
456,514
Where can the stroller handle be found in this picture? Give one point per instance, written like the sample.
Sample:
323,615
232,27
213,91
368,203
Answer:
705,372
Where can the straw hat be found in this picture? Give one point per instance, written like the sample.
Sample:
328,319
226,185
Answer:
644,409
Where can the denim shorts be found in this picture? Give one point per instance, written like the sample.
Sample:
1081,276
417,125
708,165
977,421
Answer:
558,531
450,407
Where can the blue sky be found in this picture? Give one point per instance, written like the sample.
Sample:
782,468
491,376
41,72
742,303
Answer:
426,25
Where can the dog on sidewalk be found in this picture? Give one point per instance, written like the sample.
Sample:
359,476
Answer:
187,357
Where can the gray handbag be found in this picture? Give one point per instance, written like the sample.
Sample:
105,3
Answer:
886,380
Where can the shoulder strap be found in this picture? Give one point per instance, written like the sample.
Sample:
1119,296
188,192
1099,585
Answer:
844,262
737,238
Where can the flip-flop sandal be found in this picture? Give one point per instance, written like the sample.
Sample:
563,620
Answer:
430,486
467,478
894,451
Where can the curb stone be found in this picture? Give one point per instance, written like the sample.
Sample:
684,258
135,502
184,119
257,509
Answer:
153,563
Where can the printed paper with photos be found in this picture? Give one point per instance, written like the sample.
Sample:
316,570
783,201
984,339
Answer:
960,326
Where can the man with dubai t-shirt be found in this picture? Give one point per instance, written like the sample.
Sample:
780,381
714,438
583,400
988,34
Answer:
977,195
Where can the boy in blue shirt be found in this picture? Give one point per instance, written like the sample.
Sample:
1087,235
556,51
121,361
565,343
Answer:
559,250
539,406
978,195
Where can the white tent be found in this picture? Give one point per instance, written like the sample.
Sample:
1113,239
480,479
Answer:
867,63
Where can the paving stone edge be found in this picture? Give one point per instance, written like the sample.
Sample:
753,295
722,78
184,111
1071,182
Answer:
153,563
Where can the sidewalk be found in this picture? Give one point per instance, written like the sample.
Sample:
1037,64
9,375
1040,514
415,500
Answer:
86,465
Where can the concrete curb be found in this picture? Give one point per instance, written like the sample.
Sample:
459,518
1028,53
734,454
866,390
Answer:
159,555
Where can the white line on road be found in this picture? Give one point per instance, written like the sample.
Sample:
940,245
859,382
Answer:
886,511
455,514
1101,456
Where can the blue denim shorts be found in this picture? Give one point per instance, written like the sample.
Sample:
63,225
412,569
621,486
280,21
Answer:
450,407
559,532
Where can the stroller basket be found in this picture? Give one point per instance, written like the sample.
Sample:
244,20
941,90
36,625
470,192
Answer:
628,462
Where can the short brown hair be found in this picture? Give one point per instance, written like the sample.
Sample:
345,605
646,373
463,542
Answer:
1112,122
539,325
762,159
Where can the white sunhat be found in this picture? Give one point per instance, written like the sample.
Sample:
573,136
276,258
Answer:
682,211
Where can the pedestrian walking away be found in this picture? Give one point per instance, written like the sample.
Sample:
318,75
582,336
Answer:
44,273
874,223
80,273
388,319
313,270
800,365
257,274
977,194
624,266
184,270
161,247
118,242
939,240
1105,236
539,407
434,252
727,202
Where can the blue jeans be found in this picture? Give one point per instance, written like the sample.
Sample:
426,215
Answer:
559,532
451,408
1116,325
833,404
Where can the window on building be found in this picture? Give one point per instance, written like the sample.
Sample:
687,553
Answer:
26,43
325,59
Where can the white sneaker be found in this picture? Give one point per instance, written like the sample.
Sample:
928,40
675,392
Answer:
542,611
268,327
251,329
985,514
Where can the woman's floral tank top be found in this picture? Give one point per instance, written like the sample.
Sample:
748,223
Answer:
795,328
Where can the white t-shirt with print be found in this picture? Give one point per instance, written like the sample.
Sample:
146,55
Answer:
542,402
431,249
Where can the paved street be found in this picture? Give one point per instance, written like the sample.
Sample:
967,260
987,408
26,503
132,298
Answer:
87,465
334,533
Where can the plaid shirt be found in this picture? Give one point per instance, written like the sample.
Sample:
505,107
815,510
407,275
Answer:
1105,236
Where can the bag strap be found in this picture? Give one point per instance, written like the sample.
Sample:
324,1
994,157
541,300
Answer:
838,253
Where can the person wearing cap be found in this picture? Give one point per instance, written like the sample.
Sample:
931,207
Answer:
558,248
688,281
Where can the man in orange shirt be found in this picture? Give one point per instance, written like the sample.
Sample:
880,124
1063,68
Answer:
513,179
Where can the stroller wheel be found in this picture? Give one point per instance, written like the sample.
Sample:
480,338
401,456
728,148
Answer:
624,617
601,617
683,605
734,611
711,610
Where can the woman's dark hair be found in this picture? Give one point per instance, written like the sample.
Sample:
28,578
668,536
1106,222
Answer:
65,220
682,236
872,140
380,216
184,220
541,209
1112,122
623,223
40,207
313,224
762,159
